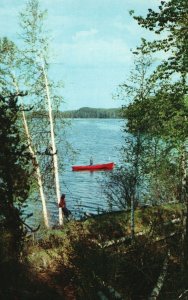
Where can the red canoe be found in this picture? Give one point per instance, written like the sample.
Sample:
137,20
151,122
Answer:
108,166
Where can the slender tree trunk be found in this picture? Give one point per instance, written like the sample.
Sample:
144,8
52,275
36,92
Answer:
54,150
132,220
184,175
135,183
159,284
39,177
184,199
35,163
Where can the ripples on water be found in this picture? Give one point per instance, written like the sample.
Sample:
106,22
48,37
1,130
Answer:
101,139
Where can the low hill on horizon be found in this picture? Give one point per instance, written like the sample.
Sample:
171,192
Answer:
89,112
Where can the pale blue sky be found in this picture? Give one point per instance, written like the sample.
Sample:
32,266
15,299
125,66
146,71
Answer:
91,42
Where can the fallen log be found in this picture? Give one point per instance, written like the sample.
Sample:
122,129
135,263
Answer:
109,243
157,288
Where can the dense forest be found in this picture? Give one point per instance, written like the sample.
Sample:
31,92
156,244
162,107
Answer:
83,112
88,112
139,251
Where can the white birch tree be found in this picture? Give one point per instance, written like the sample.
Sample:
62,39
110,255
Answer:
9,63
39,87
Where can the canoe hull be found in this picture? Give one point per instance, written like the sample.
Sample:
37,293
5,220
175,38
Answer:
107,166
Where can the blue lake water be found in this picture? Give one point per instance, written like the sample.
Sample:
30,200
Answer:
101,139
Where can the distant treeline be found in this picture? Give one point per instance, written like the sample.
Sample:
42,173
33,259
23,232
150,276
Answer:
87,112
84,112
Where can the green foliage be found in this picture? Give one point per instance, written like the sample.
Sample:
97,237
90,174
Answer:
126,183
171,18
8,62
15,171
162,115
80,265
158,107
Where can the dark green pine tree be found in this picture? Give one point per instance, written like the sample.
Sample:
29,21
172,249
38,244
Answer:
14,180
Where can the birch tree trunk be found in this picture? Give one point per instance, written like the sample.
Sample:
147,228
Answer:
184,199
159,284
35,41
54,150
35,163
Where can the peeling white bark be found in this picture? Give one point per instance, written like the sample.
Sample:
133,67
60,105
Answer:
54,150
35,162
185,208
